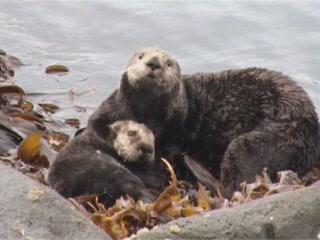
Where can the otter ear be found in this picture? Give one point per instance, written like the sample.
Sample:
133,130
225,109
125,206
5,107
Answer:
104,130
108,132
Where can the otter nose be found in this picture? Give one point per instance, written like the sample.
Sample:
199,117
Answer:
145,148
153,63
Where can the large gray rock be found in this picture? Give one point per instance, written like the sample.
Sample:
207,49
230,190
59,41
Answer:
29,209
290,215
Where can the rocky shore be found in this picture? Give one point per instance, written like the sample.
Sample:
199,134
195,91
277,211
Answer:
30,210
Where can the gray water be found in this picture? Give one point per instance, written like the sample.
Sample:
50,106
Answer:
96,38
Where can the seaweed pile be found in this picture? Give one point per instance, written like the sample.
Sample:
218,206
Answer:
30,137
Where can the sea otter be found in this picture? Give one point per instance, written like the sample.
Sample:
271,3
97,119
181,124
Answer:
108,163
234,122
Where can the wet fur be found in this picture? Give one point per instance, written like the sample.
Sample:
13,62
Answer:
91,164
234,122
244,120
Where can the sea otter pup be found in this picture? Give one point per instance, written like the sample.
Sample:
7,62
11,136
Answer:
234,122
106,163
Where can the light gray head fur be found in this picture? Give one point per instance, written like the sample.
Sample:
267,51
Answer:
133,141
138,68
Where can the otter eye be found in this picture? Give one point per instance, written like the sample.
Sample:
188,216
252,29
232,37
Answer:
132,133
169,63
141,55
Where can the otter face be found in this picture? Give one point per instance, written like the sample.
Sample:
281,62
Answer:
133,141
153,66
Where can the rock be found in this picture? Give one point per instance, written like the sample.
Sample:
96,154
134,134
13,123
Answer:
289,215
30,210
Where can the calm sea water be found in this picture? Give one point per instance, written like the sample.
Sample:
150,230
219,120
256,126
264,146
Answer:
96,38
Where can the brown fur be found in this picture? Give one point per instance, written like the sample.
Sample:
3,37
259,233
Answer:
106,163
234,122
